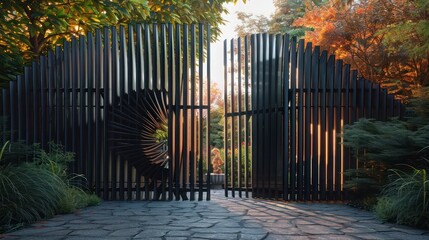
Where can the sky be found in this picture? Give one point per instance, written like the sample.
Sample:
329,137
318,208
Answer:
256,7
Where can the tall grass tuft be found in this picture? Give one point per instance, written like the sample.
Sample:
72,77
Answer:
28,193
36,184
405,199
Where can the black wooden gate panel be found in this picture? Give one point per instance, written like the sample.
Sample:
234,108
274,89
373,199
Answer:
294,102
75,96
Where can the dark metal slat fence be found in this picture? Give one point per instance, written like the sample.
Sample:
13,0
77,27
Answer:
297,99
90,92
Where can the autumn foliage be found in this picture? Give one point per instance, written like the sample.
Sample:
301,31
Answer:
386,40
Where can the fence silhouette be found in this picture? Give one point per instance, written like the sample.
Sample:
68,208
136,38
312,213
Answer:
90,93
286,103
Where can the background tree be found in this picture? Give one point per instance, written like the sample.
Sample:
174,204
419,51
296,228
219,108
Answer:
28,28
216,116
251,24
387,41
216,127
408,37
286,12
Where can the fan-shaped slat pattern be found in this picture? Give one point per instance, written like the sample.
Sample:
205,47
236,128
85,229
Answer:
134,126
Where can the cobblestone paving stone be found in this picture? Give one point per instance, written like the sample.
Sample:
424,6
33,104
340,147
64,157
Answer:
220,218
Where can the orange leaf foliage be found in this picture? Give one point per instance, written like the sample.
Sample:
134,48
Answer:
353,33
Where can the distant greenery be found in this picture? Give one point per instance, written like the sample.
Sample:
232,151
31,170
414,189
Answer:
161,134
216,128
38,186
286,12
243,162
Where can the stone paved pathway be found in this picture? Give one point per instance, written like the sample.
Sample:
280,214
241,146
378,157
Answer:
220,218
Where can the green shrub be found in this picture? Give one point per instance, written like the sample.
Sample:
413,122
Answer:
92,199
55,160
76,198
19,152
390,142
379,146
405,199
418,114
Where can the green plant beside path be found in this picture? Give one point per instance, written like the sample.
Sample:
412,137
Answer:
392,165
39,188
28,194
405,199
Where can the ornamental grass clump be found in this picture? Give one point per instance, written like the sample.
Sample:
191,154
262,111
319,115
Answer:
36,184
405,199
28,193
